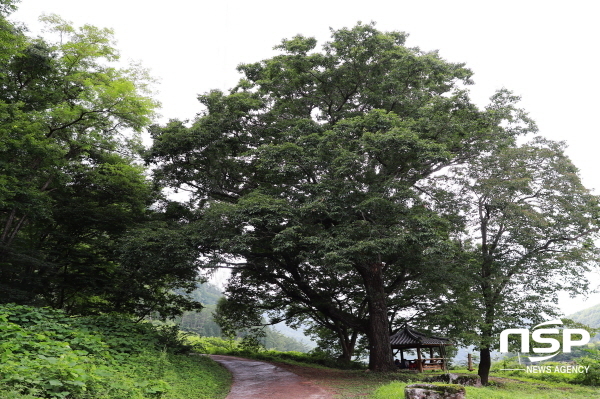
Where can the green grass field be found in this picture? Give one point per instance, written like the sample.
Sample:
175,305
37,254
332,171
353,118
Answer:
505,390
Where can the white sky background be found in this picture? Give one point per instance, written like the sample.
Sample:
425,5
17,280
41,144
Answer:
544,51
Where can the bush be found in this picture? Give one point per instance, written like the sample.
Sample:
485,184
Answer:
592,377
213,345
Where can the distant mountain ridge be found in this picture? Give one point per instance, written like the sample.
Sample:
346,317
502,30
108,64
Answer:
279,336
589,316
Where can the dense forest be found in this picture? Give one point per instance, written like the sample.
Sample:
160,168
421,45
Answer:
352,187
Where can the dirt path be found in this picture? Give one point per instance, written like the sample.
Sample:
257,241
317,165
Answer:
259,380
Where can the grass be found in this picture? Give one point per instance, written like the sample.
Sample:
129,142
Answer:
503,386
505,390
359,385
355,384
348,384
197,377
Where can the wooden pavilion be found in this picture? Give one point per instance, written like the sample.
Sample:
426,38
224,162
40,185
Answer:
407,338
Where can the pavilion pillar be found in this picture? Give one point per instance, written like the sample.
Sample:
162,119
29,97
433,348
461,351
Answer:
443,356
419,360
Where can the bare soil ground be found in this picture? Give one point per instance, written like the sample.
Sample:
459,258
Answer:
301,381
343,384
253,379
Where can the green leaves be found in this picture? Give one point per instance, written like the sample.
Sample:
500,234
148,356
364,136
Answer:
531,225
46,353
73,200
311,174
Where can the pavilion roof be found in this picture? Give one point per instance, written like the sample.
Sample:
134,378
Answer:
409,338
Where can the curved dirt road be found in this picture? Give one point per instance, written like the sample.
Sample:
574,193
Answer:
259,380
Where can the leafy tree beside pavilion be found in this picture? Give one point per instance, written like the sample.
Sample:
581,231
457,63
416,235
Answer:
304,175
531,231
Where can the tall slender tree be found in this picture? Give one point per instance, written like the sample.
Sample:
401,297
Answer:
532,230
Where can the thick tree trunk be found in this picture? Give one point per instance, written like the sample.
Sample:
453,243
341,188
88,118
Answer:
378,330
485,362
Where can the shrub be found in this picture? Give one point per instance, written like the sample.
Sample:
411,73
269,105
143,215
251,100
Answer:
592,377
45,353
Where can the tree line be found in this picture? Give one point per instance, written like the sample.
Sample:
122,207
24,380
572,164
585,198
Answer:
353,186
204,323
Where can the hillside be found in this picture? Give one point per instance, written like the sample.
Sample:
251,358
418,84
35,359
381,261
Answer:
48,354
589,317
280,336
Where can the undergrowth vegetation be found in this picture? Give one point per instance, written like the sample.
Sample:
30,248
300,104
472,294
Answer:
45,353
220,346
555,371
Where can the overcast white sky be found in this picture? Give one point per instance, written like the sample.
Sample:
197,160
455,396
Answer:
546,52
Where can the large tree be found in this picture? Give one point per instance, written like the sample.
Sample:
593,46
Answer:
531,231
76,206
304,175
62,103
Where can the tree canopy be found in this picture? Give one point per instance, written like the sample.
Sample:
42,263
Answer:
76,206
305,175
531,230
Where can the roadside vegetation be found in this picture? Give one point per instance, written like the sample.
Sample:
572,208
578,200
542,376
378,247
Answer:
522,385
48,354
237,347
